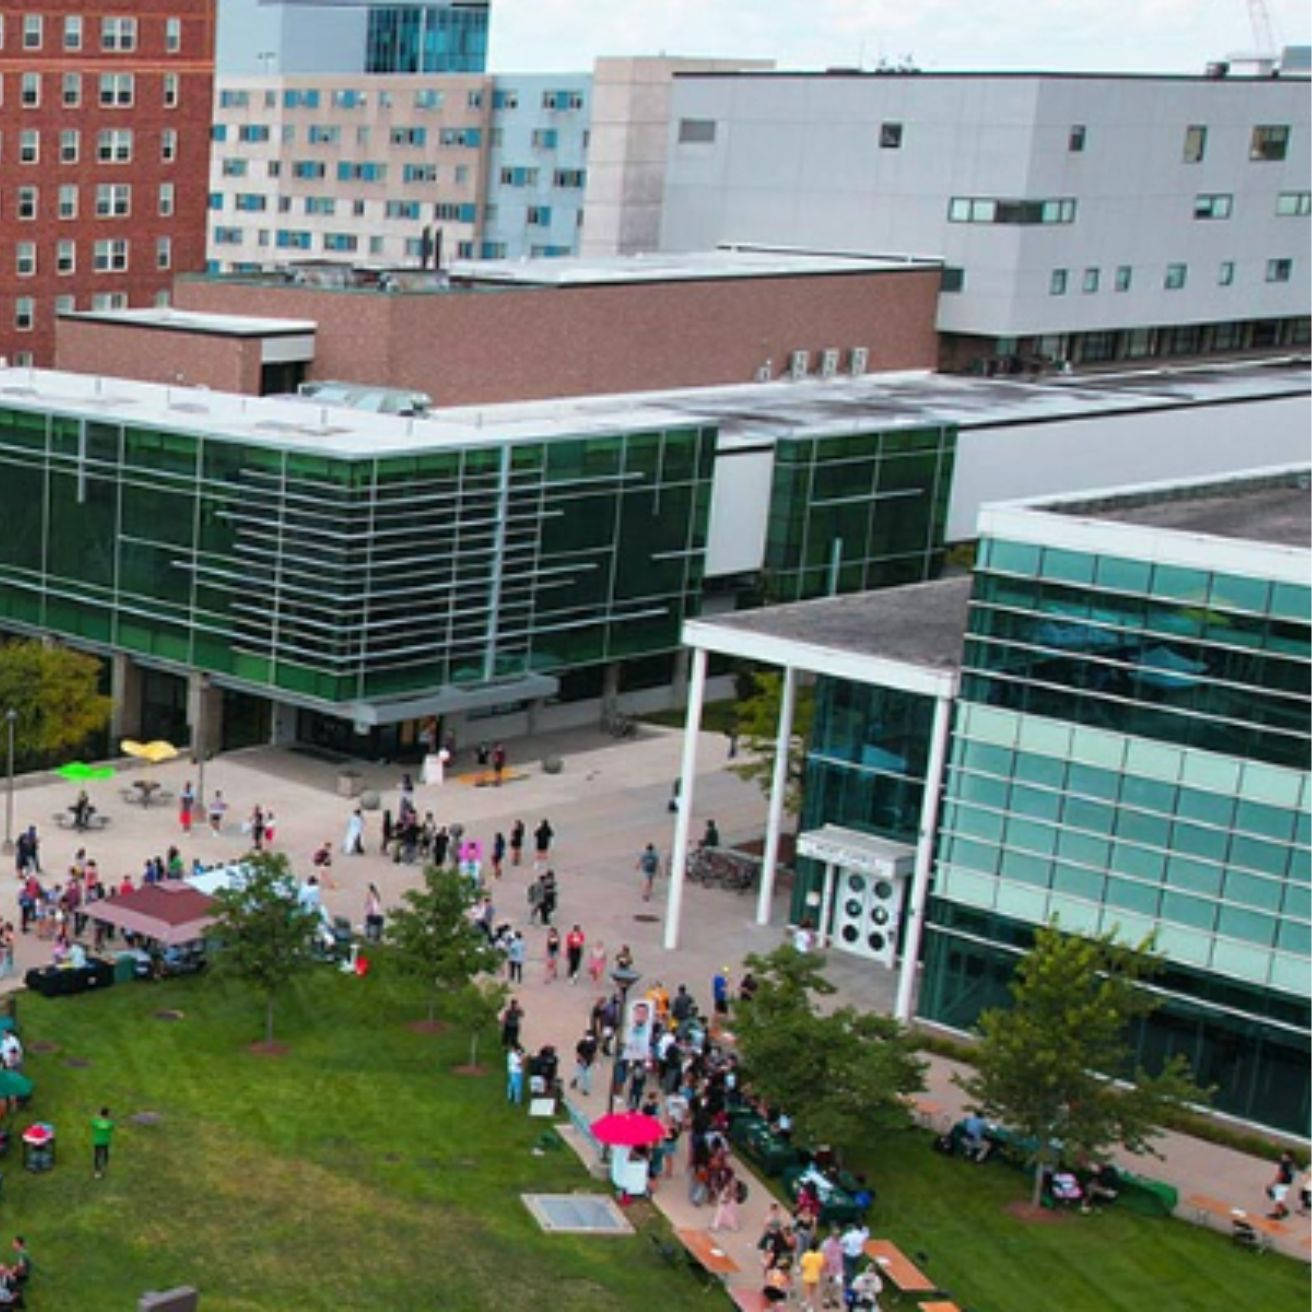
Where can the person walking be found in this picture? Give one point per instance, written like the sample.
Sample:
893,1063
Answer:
102,1135
585,1054
812,1267
649,863
511,1020
596,961
542,837
1278,1189
574,941
373,914
515,953
553,955
218,808
498,853
498,763
516,842
726,1205
547,890
353,842
186,806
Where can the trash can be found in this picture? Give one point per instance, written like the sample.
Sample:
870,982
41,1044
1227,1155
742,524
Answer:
39,1147
125,967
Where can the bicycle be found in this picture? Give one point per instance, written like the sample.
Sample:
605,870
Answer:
716,867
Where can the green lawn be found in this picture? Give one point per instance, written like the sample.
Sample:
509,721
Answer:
1110,1261
354,1172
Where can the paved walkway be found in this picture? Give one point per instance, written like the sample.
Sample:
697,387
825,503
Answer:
607,802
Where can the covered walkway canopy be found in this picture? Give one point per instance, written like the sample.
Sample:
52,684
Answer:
908,638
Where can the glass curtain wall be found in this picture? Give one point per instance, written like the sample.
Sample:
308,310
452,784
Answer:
427,39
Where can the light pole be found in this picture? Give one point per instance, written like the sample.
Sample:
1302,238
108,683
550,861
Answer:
624,978
199,731
10,716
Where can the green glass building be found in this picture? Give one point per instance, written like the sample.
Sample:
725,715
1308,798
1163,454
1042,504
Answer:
1130,752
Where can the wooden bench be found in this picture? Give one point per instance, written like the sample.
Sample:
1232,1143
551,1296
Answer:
583,1127
708,1254
898,1267
940,1306
1205,1206
750,1299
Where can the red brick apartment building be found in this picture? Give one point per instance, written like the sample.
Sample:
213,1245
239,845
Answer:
104,158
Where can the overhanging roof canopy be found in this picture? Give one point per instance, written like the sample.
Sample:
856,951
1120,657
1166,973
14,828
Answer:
853,850
170,912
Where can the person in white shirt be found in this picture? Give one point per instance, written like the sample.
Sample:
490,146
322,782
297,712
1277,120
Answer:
11,1050
853,1242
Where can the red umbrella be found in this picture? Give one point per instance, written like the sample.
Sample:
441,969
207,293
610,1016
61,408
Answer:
627,1130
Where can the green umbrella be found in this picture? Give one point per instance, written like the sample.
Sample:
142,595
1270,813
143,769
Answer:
14,1084
80,771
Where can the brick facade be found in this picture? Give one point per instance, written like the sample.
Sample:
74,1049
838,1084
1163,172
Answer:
169,56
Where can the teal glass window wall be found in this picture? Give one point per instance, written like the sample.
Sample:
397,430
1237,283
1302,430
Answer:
857,511
449,38
1250,1044
1203,658
341,578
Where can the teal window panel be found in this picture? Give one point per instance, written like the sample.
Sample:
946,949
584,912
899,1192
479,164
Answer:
1275,822
1073,915
1133,896
1185,909
1141,862
1036,802
1128,928
989,759
978,824
1303,827
1193,876
1024,903
1184,944
1236,592
1216,774
1086,884
1084,848
1241,961
1140,828
1094,816
1153,760
1121,575
1253,891
1148,794
978,788
1097,748
1035,769
1092,782
965,886
1199,840
1294,937
1300,865
1031,836
1269,784
1248,926
982,857
1270,858
1025,868
1289,974
1214,808
1014,557
1298,901
1068,566
1181,584
1292,601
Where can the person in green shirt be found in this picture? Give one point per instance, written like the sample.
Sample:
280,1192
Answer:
102,1133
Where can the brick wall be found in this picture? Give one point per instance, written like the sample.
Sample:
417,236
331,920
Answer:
159,355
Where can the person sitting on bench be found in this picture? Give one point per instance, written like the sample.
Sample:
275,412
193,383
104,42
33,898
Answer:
975,1142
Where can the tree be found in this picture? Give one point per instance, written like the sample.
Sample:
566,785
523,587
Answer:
474,1007
1045,1065
838,1073
56,694
433,936
264,929
758,726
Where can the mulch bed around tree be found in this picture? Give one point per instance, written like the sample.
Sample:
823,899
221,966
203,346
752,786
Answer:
1037,1215
466,1069
428,1026
265,1049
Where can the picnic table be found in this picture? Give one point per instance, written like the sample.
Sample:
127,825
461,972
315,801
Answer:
898,1267
1204,1206
940,1306
147,792
93,819
710,1256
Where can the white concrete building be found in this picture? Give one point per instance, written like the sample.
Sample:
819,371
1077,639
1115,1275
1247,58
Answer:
1082,217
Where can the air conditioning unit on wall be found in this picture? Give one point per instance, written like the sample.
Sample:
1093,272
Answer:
798,363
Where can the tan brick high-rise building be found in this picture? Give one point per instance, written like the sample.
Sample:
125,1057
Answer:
104,157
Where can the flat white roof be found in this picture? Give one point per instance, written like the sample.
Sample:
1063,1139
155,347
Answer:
746,415
660,266
193,321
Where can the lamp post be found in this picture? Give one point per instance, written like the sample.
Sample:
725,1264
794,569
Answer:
200,732
624,978
10,716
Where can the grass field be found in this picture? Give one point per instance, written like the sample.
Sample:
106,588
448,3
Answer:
356,1172
353,1172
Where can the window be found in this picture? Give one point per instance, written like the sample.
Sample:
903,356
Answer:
519,177
539,216
1195,143
294,240
163,252
340,241
30,90
67,204
1075,142
109,301
171,91
348,98
1294,203
505,99
317,204
890,136
29,146
172,35
165,199
114,145
321,134
1123,275
1175,277
459,212
116,90
301,99
227,236
230,99
234,168
562,100
118,33
1090,283
73,32
66,257
70,145
567,178
273,168
72,90
461,174
111,255
251,201
25,258
954,279
419,173
365,171
218,132
401,209
253,132
1279,270
24,314
1270,142
113,200
65,304
1226,275
474,100
493,250
985,209
358,209
32,35
168,145
408,136
362,135
699,131
546,138
428,99
308,168
1213,206
461,136
27,202
1057,283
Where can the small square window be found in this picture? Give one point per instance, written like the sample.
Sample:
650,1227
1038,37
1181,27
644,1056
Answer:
1075,143
1057,283
1226,276
32,25
890,136
1269,142
1090,283
1123,275
1195,143
1175,277
1279,270
73,32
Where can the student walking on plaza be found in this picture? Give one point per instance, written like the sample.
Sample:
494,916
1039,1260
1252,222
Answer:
186,806
102,1134
542,837
553,955
649,862
516,842
515,1074
574,953
218,809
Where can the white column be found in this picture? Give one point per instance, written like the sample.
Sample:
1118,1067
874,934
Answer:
938,745
683,817
778,787
826,902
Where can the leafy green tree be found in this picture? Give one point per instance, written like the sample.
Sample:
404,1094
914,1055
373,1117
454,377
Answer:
56,694
264,929
838,1073
433,937
1042,1065
758,727
474,1008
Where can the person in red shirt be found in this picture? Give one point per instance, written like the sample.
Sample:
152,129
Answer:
574,941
